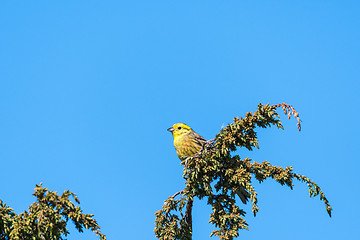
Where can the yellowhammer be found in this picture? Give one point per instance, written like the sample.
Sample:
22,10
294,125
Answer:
188,143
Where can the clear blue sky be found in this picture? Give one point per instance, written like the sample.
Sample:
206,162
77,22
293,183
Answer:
88,89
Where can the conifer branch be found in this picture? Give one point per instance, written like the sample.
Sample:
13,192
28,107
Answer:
223,178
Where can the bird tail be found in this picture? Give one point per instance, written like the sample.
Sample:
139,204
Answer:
243,195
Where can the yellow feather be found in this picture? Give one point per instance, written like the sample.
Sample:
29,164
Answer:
186,141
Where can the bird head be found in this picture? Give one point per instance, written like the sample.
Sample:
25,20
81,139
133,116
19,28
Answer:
180,129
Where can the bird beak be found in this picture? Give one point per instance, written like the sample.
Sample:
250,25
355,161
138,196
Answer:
171,129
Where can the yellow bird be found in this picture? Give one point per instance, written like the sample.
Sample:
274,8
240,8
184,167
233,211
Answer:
188,143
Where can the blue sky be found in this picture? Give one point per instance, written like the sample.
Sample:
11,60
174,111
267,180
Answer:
88,89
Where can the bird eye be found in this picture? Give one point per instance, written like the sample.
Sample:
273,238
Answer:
179,128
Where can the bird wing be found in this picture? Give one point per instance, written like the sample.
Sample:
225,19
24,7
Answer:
197,139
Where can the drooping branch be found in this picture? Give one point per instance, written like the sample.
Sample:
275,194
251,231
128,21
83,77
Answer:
290,110
314,190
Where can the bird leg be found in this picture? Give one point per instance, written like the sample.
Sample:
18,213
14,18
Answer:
186,163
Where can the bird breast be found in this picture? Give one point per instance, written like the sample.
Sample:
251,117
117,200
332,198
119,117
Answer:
186,146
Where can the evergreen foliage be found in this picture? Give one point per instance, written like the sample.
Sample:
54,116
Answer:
46,219
218,175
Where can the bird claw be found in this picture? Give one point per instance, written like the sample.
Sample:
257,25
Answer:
186,163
